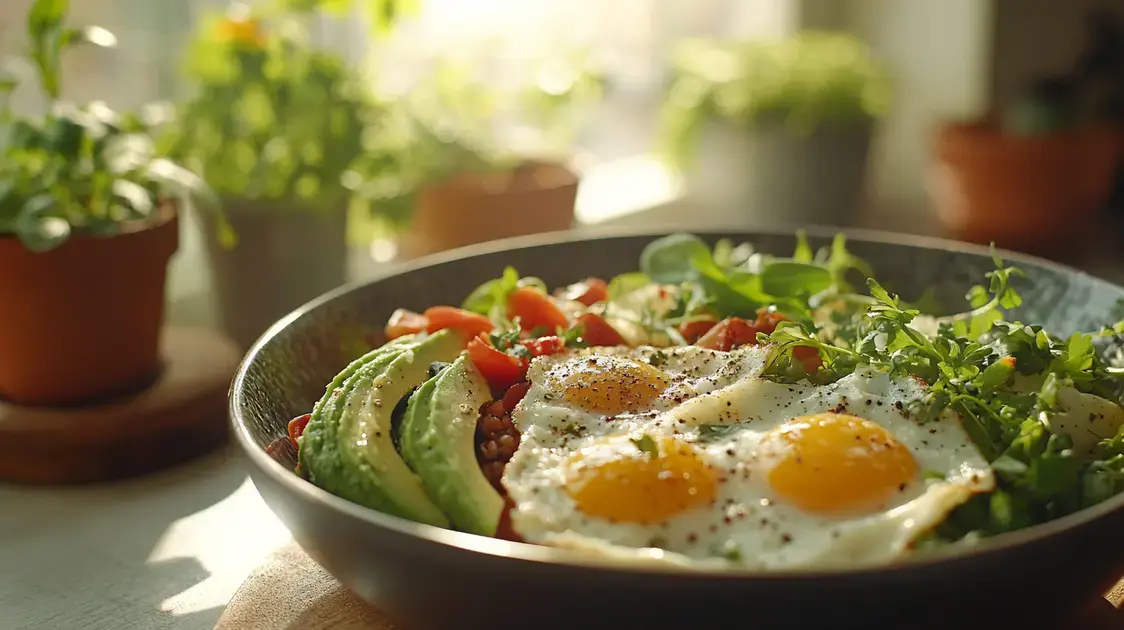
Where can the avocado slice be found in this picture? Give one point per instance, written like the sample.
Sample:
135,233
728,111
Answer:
438,441
350,452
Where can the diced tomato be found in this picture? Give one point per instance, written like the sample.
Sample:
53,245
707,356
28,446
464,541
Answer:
442,317
691,331
296,427
545,346
500,369
534,309
514,394
809,357
767,321
405,322
728,334
598,332
596,290
589,291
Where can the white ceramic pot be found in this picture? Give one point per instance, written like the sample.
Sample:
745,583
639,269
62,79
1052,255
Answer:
769,175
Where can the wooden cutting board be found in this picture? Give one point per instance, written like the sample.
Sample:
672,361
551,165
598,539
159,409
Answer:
291,592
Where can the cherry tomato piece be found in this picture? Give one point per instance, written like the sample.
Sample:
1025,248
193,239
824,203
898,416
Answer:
728,334
500,369
809,357
442,317
297,426
691,331
598,332
767,321
545,346
405,322
534,309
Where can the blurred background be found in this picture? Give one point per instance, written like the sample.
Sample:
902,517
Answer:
340,136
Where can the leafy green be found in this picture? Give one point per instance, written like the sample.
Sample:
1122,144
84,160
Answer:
670,259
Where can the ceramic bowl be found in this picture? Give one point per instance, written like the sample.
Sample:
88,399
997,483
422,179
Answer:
430,578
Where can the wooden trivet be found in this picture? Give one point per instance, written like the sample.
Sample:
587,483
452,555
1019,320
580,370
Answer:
180,416
291,592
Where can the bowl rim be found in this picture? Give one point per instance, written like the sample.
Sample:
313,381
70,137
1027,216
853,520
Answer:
541,554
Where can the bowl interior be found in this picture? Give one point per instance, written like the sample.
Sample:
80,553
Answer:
287,370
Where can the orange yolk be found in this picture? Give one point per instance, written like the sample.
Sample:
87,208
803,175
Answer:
644,487
837,463
612,385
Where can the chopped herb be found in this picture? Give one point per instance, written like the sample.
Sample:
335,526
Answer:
573,429
505,340
657,358
647,445
711,432
573,337
728,550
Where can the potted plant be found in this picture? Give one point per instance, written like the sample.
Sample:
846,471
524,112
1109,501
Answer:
774,131
274,128
88,223
1036,174
443,170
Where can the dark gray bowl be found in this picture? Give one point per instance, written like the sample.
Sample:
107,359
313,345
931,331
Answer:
428,577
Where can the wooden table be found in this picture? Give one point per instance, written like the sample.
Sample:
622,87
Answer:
170,550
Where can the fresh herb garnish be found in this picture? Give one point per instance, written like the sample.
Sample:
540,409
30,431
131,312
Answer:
646,445
572,337
573,429
709,432
969,367
657,358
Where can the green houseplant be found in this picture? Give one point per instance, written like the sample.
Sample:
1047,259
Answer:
457,160
775,117
274,125
88,222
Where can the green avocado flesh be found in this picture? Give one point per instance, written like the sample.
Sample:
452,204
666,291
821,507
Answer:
438,441
347,449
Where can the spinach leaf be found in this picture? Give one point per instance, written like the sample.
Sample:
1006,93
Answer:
794,279
668,259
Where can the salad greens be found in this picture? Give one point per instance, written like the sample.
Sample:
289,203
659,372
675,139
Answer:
971,361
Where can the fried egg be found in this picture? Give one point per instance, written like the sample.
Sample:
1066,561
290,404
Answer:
688,455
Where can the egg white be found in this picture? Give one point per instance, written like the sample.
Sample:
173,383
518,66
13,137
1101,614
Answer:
748,523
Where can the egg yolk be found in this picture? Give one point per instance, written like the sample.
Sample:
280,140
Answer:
645,487
612,385
837,463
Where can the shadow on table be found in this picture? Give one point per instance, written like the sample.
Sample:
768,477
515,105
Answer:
88,554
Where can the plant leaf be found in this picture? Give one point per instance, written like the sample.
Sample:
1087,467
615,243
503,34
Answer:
39,231
45,15
794,279
668,259
95,35
626,283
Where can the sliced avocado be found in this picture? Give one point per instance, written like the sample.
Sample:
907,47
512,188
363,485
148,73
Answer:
353,455
318,454
438,441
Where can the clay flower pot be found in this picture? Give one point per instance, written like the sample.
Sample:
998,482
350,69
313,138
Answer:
477,207
81,323
1035,193
285,256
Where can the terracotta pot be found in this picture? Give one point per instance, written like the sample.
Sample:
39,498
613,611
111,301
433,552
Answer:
81,323
1037,193
285,257
475,207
